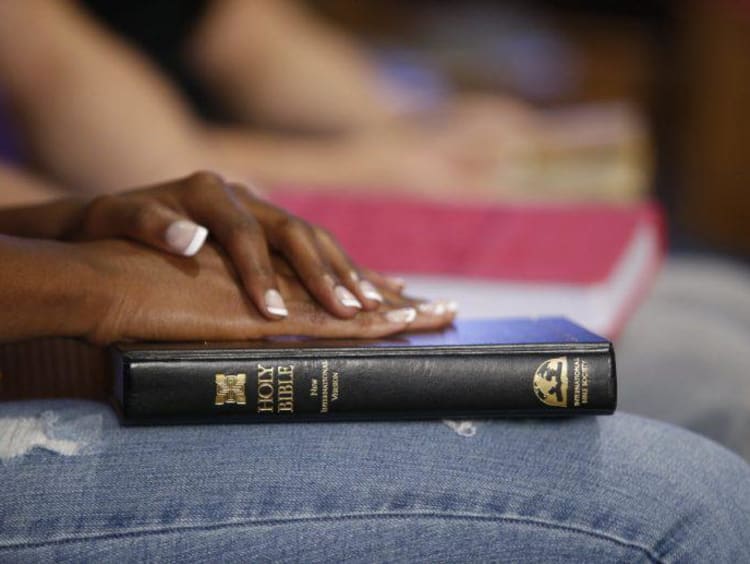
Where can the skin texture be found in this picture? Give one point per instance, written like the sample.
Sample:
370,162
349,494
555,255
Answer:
247,228
115,290
160,297
102,269
19,187
241,49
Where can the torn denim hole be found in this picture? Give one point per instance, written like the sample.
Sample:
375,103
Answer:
66,436
463,428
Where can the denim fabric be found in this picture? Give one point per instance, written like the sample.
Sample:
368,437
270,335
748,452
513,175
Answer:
608,489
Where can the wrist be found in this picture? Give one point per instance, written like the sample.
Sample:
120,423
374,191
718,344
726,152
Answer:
79,288
93,299
49,290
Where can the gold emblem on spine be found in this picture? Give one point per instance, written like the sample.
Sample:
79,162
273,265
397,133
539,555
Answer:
551,382
230,388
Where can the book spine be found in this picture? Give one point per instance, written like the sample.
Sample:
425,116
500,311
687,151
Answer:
368,388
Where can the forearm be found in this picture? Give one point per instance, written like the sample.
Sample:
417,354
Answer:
272,61
30,207
18,187
46,290
283,161
95,113
51,220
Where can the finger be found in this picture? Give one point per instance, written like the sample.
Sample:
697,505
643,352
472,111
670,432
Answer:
241,236
435,314
392,283
363,283
298,244
431,314
324,269
148,222
245,243
296,241
369,325
348,272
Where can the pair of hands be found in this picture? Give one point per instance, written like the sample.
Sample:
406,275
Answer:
263,273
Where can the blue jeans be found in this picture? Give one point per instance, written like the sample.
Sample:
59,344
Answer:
607,489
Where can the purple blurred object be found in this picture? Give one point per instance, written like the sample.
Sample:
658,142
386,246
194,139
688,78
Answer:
409,80
10,141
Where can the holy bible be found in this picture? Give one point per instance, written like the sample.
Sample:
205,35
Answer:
474,369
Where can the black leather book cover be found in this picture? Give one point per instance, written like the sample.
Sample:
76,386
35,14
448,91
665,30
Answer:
474,369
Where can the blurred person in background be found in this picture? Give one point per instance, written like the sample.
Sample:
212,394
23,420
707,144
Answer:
95,115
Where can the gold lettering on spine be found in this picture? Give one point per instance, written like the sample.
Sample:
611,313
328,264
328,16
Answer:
580,382
324,388
285,390
584,382
265,389
275,393
335,387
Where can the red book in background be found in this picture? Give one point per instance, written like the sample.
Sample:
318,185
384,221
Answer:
588,262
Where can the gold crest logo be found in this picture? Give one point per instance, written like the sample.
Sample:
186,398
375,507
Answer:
551,382
230,388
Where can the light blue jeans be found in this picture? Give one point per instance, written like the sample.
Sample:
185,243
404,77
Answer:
607,489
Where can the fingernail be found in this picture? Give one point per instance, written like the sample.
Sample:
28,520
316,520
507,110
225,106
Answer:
369,291
396,281
346,297
185,237
438,307
275,303
432,308
403,315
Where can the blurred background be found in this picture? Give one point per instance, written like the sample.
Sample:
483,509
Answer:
684,67
678,72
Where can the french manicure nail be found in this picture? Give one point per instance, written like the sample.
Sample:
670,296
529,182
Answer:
432,308
346,297
451,306
395,280
185,237
403,315
275,303
369,291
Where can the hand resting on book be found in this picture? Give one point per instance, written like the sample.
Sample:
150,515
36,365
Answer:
177,216
158,297
76,268
114,290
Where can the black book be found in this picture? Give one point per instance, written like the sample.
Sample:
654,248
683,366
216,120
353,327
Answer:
474,369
